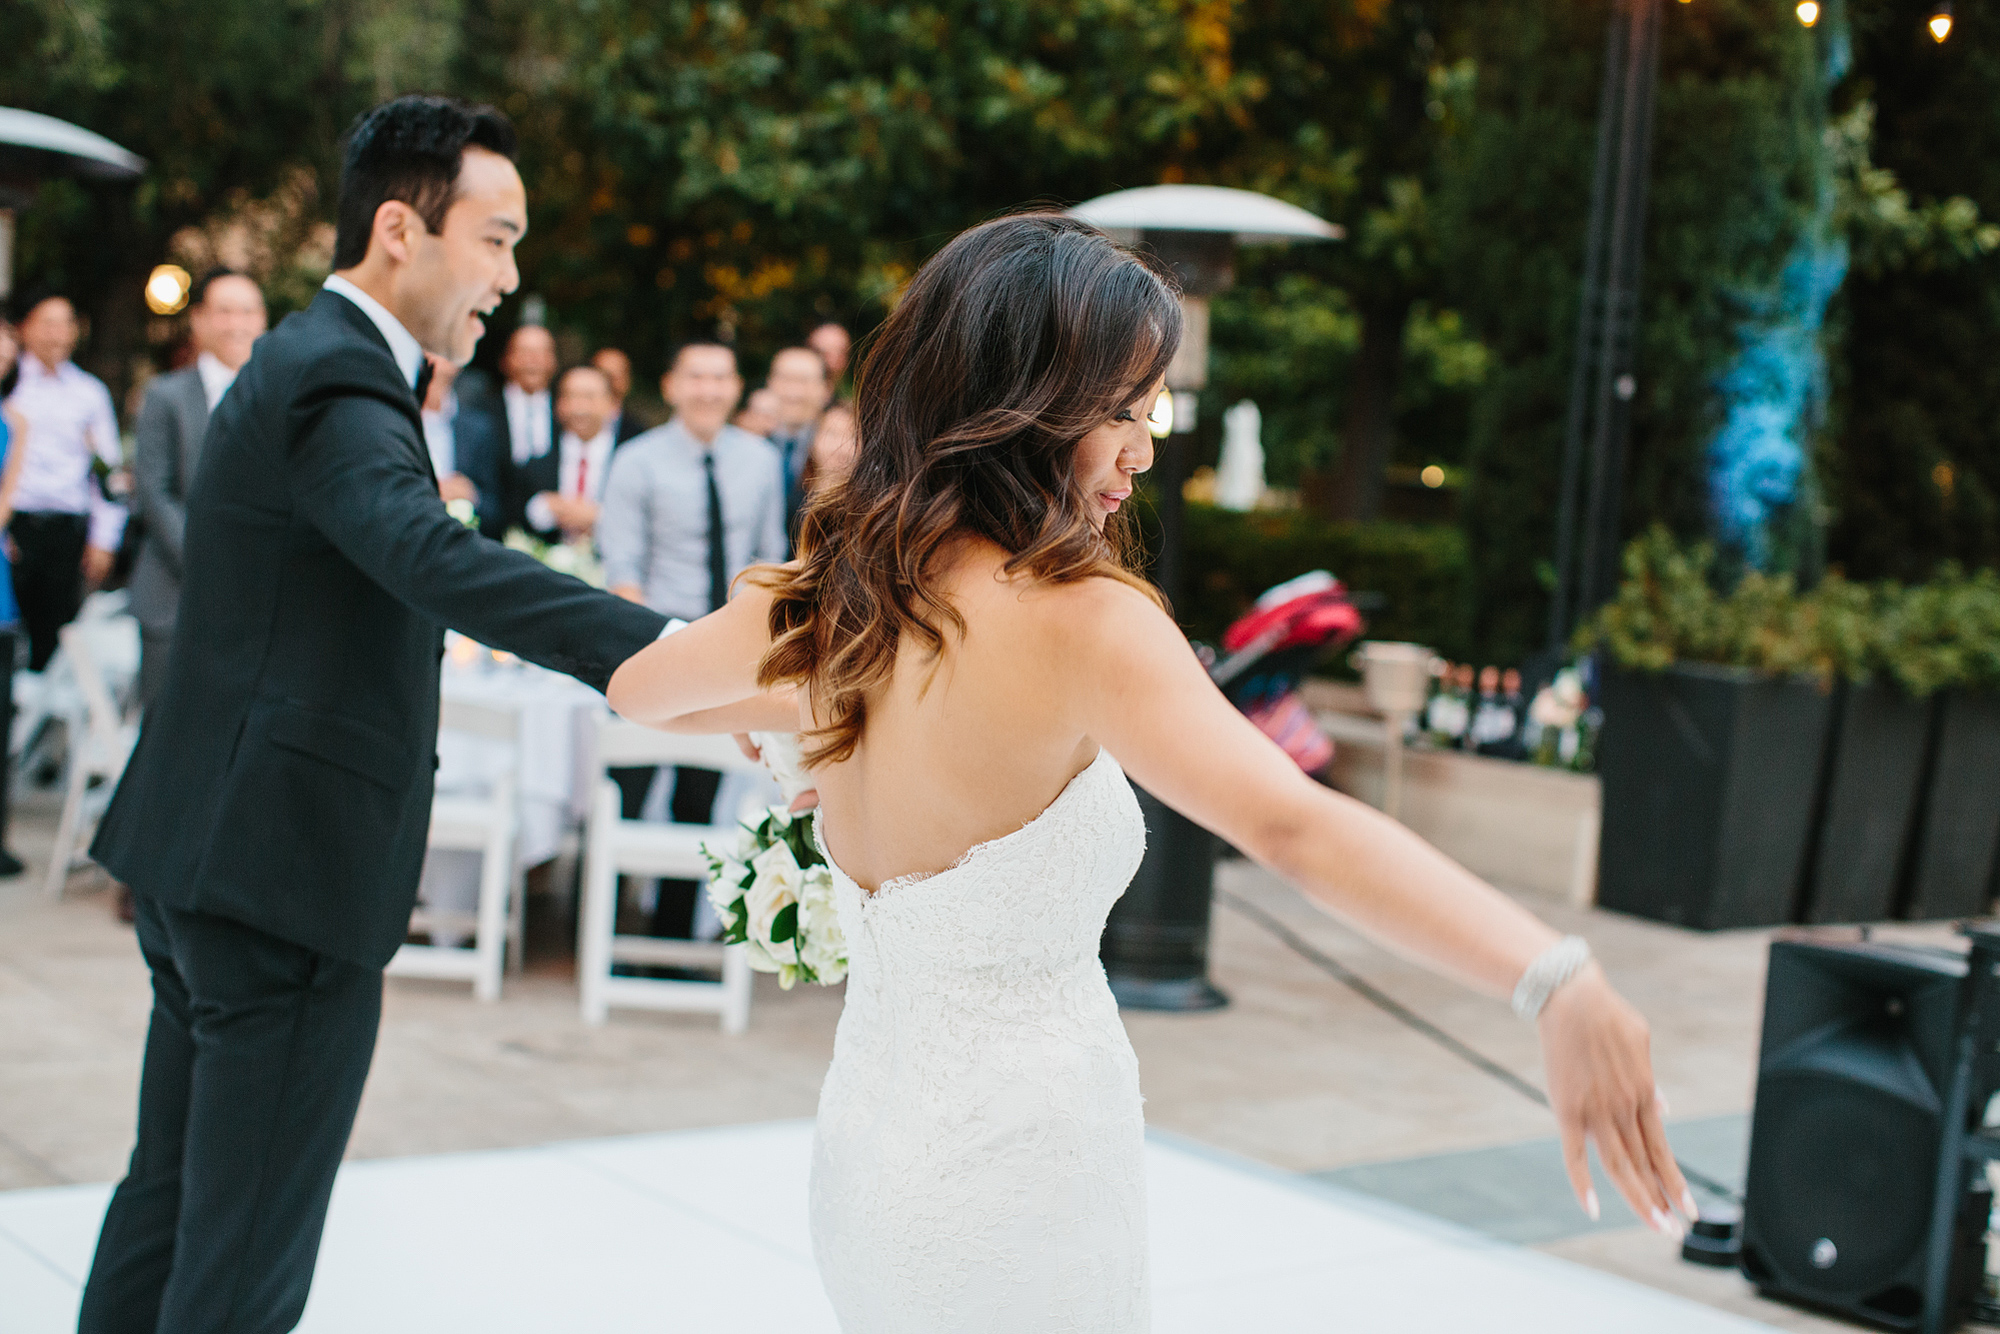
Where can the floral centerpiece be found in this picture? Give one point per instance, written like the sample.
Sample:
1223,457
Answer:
774,894
575,557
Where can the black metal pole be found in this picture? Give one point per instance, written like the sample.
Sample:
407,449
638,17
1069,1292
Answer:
1589,317
1616,385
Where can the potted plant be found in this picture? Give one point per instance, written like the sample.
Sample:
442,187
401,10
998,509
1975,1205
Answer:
1948,642
1715,723
1876,754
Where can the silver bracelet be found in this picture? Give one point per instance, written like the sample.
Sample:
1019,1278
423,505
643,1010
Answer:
1552,967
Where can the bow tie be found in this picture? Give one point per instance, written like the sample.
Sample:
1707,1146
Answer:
425,373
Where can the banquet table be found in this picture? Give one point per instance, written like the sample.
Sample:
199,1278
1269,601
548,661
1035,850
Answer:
557,775
558,715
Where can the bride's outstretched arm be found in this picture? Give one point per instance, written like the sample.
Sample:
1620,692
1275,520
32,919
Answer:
1147,700
703,678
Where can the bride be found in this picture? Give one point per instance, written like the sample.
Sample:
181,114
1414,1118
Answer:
975,672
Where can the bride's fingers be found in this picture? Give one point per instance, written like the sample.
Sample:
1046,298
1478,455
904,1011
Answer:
1642,1195
1660,1154
746,745
1576,1162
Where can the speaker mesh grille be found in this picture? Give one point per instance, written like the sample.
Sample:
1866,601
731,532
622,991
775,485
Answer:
1836,1161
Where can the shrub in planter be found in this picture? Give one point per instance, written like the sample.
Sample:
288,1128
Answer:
1945,638
1715,724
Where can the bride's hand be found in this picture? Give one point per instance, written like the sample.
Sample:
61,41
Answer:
747,746
1597,1049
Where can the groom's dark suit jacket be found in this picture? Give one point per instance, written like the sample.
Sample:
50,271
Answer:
283,779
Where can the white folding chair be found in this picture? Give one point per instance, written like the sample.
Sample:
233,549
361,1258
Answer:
614,846
482,822
101,656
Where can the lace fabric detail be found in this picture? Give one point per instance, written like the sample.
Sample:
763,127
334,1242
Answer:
978,1162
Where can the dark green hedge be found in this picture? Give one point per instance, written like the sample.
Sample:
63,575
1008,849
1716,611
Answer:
1422,571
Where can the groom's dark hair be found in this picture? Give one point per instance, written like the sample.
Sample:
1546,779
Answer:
409,150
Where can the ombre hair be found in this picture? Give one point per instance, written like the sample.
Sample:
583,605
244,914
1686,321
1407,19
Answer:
1011,344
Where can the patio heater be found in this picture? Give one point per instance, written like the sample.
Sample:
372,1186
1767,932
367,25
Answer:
1155,946
34,147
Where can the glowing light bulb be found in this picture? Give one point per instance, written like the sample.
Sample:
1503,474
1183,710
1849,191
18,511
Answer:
167,289
1432,477
1940,23
1808,12
1160,421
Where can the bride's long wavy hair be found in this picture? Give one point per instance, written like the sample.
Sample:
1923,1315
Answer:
1011,344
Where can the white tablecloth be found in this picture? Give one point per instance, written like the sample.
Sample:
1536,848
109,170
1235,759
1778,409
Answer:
557,715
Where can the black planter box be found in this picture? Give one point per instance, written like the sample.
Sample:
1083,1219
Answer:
1875,775
1958,845
1710,777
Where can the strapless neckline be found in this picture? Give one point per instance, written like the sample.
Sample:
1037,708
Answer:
972,853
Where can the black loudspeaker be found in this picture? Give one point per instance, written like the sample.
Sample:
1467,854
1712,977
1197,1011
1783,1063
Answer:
1852,1079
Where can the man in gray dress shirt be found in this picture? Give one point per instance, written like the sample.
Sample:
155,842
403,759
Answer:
659,545
686,508
225,319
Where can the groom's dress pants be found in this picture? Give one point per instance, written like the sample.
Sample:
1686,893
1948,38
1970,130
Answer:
254,1065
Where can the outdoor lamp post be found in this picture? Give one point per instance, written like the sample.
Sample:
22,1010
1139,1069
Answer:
34,147
1155,946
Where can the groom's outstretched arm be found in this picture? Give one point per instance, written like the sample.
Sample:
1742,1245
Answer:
357,476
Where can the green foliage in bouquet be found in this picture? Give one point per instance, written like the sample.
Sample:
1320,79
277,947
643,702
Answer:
1932,636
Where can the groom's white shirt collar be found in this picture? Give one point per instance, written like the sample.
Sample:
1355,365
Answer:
403,345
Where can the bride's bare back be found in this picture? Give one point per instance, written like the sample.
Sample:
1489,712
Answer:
967,746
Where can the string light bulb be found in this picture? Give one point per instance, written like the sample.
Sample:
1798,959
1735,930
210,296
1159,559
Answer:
1940,22
1808,12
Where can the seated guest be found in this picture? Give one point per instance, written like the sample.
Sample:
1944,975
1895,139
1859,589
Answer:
617,368
688,507
226,317
65,530
567,484
799,380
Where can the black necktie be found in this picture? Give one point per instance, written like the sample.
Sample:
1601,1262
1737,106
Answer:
424,374
718,559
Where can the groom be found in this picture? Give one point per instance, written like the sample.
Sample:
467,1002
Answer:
273,819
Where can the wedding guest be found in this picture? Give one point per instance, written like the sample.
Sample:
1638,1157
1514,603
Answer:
759,413
689,506
833,449
462,452
520,423
830,340
226,317
617,368
13,436
799,381
65,529
567,483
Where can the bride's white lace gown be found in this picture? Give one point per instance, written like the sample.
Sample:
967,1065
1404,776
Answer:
978,1164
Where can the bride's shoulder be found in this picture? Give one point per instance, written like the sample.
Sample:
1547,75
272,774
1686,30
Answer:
1094,615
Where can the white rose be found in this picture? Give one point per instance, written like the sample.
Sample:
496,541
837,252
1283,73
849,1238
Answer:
775,888
825,947
755,955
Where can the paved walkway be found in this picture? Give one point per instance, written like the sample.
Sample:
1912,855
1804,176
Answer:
1298,1073
706,1230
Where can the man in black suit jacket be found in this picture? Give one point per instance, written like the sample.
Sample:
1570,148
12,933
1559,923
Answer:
272,821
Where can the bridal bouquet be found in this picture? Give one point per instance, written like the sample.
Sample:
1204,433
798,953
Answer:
774,894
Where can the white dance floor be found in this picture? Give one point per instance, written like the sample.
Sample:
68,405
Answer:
706,1230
